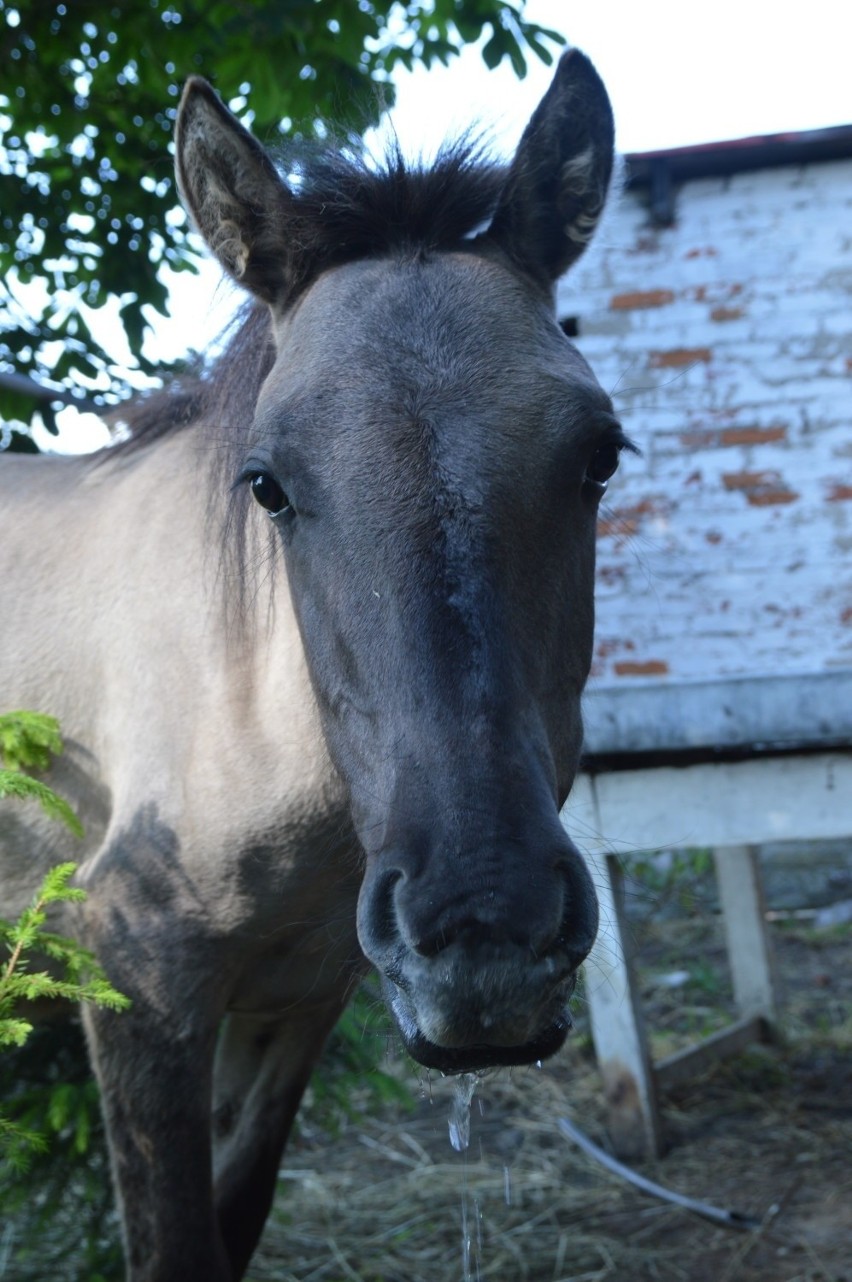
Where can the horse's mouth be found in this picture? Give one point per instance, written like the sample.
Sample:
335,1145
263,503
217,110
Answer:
473,1055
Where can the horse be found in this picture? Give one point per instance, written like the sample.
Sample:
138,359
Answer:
316,634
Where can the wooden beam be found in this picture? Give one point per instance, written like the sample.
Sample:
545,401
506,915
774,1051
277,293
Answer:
687,1064
615,1015
743,803
744,914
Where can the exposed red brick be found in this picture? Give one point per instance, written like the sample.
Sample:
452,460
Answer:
727,313
616,528
760,488
611,574
749,480
608,646
638,298
677,357
751,435
649,506
768,497
650,668
717,293
846,615
713,536
706,251
840,493
710,437
849,364
624,521
699,440
645,245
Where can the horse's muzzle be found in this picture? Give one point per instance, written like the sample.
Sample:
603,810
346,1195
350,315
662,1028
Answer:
479,980
479,1012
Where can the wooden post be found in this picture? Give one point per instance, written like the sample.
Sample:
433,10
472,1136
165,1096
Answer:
618,1029
743,911
615,1011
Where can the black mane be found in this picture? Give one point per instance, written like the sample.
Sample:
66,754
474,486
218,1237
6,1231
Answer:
348,207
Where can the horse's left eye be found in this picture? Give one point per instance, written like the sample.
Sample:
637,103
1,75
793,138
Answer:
603,464
269,493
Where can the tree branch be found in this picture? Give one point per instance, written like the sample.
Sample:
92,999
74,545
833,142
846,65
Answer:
47,392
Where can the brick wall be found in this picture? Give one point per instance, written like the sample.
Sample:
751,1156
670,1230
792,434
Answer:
726,343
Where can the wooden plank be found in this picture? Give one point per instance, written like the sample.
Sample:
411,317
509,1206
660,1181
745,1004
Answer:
743,803
732,807
688,1064
813,708
617,1025
744,915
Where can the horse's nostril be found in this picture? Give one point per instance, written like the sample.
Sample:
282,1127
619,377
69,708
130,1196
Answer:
468,932
378,929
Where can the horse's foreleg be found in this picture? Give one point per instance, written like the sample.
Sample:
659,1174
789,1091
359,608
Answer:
155,1069
262,1068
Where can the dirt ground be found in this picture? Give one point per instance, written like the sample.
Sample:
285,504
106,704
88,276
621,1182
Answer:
768,1134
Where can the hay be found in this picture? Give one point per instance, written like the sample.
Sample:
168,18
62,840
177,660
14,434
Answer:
767,1134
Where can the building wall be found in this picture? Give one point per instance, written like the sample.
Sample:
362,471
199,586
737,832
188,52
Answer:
726,344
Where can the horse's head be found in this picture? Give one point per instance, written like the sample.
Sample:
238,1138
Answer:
432,450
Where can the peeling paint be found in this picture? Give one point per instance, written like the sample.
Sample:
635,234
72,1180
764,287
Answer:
751,435
638,298
649,668
676,357
769,497
728,546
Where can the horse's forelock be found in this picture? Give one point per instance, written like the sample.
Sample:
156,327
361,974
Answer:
349,206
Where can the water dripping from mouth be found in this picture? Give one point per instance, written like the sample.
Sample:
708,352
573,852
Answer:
471,1238
459,1120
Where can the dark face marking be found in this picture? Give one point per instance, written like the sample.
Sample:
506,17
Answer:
441,449
442,454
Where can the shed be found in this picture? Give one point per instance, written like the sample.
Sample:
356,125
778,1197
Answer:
716,309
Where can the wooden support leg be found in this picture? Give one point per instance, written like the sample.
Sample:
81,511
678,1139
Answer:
617,1025
743,911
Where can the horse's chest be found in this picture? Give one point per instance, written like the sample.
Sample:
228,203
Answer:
297,939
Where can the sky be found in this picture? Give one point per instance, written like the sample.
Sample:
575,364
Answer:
678,72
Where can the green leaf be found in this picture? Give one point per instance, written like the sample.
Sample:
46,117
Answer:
85,211
28,739
14,1032
24,787
17,1144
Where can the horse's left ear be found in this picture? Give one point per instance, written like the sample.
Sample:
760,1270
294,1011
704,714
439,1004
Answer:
557,183
233,192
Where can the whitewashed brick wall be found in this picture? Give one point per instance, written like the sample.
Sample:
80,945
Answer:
726,343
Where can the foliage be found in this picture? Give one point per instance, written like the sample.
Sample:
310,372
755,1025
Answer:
59,1218
88,105
350,1077
29,739
58,1210
671,879
49,1090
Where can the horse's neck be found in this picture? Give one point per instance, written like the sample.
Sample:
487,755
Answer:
228,610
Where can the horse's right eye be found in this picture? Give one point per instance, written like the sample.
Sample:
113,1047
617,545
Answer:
269,494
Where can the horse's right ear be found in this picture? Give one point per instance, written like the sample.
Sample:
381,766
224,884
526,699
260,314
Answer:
557,183
233,192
